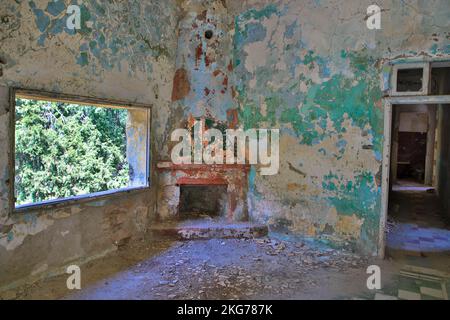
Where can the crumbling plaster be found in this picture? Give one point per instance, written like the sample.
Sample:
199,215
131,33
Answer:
314,70
310,68
124,51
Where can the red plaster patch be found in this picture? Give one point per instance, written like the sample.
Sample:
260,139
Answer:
181,85
191,121
233,92
202,16
198,54
201,181
225,81
208,60
230,66
232,117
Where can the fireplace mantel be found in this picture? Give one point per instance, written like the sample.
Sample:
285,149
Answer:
168,165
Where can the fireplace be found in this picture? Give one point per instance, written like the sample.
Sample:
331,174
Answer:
180,180
199,200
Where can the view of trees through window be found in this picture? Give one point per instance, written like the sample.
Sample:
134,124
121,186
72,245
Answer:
65,149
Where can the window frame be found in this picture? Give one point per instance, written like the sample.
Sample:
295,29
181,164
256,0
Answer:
82,100
425,66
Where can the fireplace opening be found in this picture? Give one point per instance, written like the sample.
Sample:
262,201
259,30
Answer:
202,200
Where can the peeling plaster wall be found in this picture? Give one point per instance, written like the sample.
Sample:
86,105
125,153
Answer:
313,69
202,82
126,51
310,68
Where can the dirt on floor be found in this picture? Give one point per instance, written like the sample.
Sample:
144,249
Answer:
266,268
277,266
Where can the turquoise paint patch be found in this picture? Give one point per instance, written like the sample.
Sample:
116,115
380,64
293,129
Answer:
359,198
41,40
56,7
57,26
85,16
255,32
447,49
84,47
241,35
83,59
114,40
265,12
290,29
434,48
41,19
341,144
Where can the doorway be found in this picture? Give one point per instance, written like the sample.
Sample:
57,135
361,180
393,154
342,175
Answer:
418,193
416,166
416,221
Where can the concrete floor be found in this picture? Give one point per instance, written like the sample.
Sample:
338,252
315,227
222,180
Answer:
276,266
267,268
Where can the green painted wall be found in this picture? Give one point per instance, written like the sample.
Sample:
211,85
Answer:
314,70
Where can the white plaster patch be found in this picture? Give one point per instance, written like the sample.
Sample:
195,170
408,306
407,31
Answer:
256,55
21,230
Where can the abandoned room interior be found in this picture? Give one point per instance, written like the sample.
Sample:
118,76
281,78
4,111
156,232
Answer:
225,149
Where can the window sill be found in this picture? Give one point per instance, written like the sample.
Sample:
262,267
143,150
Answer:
75,200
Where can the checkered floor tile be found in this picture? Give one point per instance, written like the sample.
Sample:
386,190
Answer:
424,285
410,237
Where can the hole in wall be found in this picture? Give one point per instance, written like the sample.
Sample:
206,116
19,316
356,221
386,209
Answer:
208,34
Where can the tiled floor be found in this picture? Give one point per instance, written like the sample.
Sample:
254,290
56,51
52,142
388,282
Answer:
417,224
408,185
412,237
416,283
418,239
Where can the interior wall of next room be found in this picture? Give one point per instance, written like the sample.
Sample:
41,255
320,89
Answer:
413,143
443,157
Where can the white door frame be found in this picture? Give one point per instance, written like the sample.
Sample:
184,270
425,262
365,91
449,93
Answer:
388,103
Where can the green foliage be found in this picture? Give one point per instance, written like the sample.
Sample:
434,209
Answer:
64,150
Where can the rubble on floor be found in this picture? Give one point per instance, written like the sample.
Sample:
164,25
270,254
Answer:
266,268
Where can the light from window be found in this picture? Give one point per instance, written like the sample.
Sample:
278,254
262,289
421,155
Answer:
65,150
